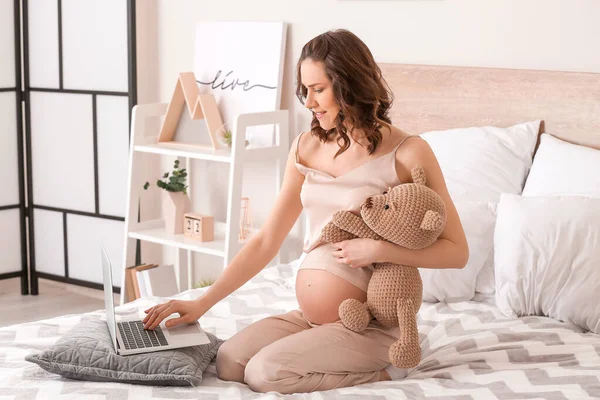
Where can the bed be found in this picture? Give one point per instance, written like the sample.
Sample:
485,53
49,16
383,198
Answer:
470,350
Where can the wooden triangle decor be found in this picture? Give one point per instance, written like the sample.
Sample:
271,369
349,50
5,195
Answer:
200,106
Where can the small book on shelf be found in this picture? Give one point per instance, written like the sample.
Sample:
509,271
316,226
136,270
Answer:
131,280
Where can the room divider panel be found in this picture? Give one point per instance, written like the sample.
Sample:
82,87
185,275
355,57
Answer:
13,239
78,89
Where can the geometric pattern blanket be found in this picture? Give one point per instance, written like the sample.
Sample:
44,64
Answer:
469,351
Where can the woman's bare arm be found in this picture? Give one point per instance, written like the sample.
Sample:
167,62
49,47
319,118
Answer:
253,257
263,245
451,249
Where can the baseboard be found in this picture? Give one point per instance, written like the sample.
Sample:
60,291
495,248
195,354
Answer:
84,291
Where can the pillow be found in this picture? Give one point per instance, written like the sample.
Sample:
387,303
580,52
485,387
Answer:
562,168
480,163
486,281
452,284
86,352
547,258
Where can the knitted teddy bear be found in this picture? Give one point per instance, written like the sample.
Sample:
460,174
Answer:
410,215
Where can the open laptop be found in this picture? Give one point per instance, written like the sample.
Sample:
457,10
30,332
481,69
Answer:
128,334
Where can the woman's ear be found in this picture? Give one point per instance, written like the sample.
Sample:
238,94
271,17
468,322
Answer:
432,221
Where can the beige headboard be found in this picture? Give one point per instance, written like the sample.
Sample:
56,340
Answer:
441,97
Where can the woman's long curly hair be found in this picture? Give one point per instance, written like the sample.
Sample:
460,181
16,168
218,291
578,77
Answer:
363,95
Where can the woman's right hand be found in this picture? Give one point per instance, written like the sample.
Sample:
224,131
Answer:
188,310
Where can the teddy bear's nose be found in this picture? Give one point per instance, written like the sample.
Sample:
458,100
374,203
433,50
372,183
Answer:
369,202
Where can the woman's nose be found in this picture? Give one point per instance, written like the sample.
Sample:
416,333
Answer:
310,102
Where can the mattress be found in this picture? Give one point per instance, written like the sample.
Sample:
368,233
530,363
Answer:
470,351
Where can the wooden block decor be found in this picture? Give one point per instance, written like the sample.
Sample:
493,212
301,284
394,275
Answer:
200,106
245,220
199,227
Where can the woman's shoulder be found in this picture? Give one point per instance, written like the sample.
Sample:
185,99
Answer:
306,143
412,150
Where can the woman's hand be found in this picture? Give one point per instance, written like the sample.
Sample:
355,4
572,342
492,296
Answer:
357,253
188,310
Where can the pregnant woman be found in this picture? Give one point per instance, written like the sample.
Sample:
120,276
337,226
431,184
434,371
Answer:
351,152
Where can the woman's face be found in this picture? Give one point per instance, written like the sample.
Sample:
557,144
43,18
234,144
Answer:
319,96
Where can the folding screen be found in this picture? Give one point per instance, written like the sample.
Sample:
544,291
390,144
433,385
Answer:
13,242
79,88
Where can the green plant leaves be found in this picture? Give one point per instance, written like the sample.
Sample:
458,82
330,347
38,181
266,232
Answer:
174,183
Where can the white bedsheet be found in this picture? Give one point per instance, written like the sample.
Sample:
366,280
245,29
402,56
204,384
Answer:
470,351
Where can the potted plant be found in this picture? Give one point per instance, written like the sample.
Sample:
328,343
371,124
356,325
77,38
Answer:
203,283
226,136
175,202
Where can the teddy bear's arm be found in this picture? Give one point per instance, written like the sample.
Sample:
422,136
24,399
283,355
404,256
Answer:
331,234
354,224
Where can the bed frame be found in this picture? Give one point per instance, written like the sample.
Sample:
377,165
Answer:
442,97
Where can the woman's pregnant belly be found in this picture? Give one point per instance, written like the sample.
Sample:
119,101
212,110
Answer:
320,293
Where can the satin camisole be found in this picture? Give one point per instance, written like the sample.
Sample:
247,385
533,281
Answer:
323,194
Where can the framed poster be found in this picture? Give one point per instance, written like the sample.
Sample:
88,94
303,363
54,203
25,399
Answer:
241,64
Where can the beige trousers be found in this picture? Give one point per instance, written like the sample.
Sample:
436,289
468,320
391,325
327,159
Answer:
288,354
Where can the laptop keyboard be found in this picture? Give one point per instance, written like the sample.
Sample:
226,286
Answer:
136,337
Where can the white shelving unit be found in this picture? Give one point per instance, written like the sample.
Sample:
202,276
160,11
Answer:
226,243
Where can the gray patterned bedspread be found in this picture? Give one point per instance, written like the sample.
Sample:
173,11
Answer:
470,351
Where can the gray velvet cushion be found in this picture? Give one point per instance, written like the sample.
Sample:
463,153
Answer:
86,352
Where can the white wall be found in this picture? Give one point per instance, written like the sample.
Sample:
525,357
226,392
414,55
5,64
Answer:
532,34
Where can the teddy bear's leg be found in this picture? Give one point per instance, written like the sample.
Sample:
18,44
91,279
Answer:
355,315
406,352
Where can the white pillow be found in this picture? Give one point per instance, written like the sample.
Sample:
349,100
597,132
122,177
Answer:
547,258
562,168
486,282
452,284
480,163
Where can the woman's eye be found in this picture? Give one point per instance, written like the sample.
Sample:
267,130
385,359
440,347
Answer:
318,90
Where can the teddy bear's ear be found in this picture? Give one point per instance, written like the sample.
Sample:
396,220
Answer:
418,175
432,221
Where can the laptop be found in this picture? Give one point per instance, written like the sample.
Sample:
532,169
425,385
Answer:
128,334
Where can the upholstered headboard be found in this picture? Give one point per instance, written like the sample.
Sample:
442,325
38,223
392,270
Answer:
441,97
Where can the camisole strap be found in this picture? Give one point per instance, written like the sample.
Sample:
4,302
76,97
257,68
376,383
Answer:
298,146
402,141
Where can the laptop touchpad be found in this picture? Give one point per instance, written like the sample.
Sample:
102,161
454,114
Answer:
184,329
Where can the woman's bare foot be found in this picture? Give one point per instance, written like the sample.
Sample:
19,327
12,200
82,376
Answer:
384,376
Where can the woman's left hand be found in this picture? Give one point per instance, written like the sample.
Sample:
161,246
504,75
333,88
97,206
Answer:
357,253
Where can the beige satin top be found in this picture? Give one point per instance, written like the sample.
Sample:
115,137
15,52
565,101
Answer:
323,194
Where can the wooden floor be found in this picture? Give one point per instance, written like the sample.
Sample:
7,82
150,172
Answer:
54,299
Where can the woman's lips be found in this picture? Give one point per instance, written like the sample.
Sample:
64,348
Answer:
319,115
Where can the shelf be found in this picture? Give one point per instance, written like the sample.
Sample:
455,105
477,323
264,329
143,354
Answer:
184,150
200,153
275,152
154,231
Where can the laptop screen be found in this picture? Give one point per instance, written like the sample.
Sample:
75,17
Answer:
108,296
